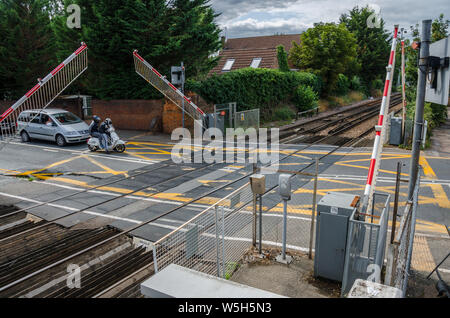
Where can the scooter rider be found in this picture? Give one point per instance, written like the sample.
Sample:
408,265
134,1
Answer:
94,130
104,130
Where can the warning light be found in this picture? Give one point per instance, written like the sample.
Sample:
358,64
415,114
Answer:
222,113
415,45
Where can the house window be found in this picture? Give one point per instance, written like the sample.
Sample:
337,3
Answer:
256,62
228,65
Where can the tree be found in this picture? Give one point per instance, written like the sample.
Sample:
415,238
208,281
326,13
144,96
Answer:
27,48
164,32
327,50
283,64
439,28
373,44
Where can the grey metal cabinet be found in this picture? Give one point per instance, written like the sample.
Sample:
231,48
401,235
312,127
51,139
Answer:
333,213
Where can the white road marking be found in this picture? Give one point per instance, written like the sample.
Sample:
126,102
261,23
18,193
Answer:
87,153
72,209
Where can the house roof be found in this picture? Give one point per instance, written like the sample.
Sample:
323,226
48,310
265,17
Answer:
263,42
244,50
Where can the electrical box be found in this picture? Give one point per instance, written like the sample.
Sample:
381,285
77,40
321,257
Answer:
258,183
438,79
284,186
333,213
395,135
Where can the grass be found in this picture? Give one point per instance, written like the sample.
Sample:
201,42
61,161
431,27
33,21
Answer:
337,101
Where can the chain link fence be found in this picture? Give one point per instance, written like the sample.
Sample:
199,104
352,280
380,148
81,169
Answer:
247,119
400,251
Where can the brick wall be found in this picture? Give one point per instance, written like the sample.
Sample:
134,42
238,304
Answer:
130,114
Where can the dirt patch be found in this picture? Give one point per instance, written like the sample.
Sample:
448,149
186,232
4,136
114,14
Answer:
295,280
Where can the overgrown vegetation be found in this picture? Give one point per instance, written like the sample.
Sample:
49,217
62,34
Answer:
259,88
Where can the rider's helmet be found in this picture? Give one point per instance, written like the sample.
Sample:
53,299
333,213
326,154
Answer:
96,119
108,121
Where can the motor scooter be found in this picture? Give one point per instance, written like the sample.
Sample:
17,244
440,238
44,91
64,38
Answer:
114,143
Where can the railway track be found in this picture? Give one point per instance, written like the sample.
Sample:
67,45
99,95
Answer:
334,124
37,253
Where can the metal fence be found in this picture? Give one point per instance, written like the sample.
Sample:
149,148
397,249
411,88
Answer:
366,242
247,119
400,251
300,216
214,241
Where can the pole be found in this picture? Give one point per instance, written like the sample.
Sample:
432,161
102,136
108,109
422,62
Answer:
283,248
182,88
311,232
420,104
254,220
217,242
260,224
397,192
223,241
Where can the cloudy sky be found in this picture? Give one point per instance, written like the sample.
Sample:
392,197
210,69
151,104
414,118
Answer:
244,18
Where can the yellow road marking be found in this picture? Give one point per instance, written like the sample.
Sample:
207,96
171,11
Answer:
440,195
422,260
58,163
104,167
427,168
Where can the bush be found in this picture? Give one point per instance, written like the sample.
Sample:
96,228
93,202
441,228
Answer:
282,59
283,113
254,88
305,98
377,84
355,84
342,85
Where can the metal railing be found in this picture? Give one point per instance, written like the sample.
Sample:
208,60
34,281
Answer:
400,251
366,242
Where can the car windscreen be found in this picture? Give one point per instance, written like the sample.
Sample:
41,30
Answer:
67,118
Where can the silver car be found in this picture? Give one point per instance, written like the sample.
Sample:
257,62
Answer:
52,124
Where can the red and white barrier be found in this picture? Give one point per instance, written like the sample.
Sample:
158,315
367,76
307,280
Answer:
43,93
403,89
380,128
151,75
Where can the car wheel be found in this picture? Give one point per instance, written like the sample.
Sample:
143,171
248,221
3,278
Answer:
60,140
24,136
120,148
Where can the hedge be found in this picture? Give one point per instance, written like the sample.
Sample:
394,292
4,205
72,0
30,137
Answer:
254,88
